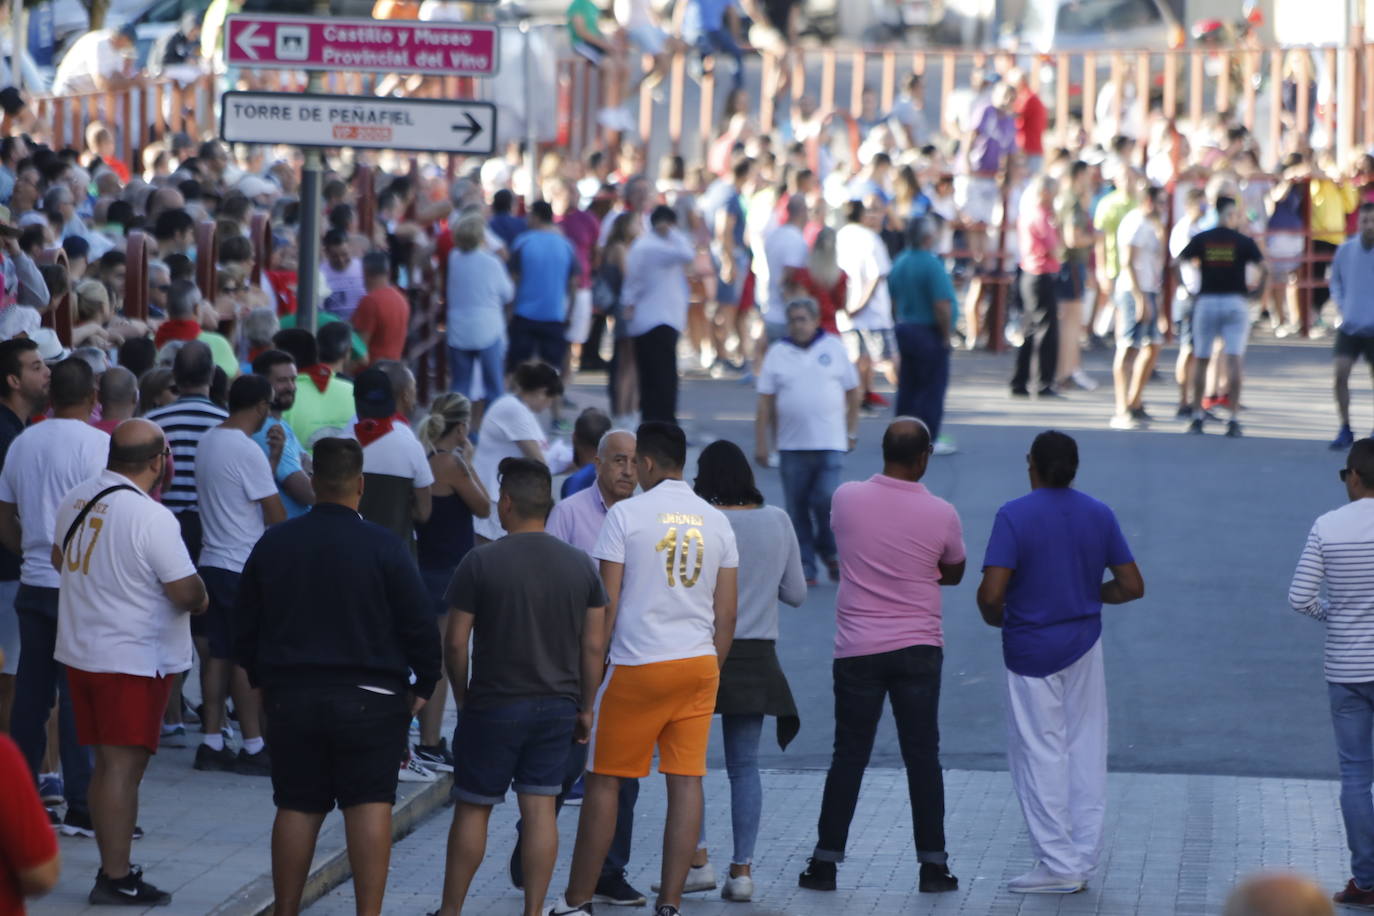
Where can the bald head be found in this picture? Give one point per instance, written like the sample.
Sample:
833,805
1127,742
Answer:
615,466
1278,895
906,449
135,446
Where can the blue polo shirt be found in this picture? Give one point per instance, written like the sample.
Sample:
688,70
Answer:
916,282
579,480
289,464
1058,542
547,261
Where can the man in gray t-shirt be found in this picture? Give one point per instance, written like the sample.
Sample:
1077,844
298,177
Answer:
526,601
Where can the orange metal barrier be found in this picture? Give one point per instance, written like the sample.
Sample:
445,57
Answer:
136,116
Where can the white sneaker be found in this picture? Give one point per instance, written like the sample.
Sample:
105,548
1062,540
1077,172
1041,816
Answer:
1083,380
561,908
413,771
740,890
699,878
1122,421
945,446
1040,880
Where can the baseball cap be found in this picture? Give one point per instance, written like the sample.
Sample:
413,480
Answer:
372,395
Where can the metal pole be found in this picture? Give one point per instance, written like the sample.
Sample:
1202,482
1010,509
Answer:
19,41
308,260
530,142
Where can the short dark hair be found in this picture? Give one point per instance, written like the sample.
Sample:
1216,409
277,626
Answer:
171,222
1225,205
300,343
502,201
73,381
337,464
663,214
194,365
1055,458
235,249
112,259
10,362
905,441
542,211
1361,461
249,391
854,211
335,237
268,360
666,443
528,484
376,264
537,376
138,354
334,340
591,425
179,266
724,477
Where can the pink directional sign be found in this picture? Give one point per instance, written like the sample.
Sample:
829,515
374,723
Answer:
385,45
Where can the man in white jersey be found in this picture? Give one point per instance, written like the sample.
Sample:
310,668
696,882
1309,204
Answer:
1340,556
669,563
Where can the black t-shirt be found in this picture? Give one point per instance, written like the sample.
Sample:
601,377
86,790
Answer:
530,593
1222,254
10,428
779,12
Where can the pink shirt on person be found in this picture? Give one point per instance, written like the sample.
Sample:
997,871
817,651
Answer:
1039,240
892,535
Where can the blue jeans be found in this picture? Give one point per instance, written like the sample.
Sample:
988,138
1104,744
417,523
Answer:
809,479
492,363
1352,714
40,681
522,744
741,735
924,374
721,41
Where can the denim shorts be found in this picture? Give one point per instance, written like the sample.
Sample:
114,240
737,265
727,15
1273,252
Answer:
523,744
1133,332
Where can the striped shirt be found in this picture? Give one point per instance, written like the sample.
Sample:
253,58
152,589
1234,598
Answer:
1340,555
183,422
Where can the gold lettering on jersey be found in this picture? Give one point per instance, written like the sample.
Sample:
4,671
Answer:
679,518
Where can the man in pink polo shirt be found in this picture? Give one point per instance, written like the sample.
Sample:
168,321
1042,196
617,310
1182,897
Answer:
1040,245
897,545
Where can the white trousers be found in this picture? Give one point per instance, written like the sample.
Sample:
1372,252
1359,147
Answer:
1057,749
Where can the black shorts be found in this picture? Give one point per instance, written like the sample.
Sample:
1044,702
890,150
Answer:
223,587
1353,346
334,745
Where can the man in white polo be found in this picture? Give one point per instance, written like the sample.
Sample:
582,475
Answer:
670,566
809,411
128,587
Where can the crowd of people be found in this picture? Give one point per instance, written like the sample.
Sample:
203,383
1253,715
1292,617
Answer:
193,484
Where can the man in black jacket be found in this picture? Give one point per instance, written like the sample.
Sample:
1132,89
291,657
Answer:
332,622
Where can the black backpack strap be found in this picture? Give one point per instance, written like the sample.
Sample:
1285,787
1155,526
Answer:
86,510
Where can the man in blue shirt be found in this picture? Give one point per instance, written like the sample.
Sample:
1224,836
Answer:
591,425
1352,282
923,306
1042,585
544,267
276,439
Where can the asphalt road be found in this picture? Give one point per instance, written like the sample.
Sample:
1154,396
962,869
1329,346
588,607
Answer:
1211,672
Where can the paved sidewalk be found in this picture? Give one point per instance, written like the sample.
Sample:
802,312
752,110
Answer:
1175,845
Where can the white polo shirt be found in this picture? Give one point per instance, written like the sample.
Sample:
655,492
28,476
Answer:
784,248
673,545
113,616
863,257
809,385
43,464
232,475
397,454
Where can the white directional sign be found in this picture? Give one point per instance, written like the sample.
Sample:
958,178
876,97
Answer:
468,128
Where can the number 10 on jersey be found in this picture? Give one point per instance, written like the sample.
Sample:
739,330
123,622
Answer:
675,561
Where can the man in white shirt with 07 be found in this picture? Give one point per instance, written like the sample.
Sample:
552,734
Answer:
670,566
124,634
238,501
809,409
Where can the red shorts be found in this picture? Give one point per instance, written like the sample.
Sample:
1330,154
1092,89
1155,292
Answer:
118,710
746,295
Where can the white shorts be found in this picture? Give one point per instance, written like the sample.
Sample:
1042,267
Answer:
977,197
650,39
1227,317
580,318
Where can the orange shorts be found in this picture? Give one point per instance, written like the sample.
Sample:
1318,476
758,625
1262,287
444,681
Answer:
667,704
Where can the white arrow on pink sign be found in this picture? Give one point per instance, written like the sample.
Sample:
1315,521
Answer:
378,45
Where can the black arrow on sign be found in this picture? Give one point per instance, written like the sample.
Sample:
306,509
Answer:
472,127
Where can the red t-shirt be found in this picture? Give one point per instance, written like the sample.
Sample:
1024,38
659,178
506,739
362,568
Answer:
383,318
827,300
27,840
1032,120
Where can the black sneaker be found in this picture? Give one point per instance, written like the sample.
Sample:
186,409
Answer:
667,909
937,879
819,876
1184,412
1233,430
1049,393
1141,414
246,764
1195,427
130,890
435,756
1020,393
616,891
215,761
77,822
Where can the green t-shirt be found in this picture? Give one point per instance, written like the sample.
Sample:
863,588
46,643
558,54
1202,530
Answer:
319,414
587,11
1111,210
916,282
322,318
222,351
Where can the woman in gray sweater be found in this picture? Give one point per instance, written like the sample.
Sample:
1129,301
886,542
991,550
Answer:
752,684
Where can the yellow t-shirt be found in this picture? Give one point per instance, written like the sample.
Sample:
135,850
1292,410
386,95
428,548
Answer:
1331,204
